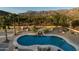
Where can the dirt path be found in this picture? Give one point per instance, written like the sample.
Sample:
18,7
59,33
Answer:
73,30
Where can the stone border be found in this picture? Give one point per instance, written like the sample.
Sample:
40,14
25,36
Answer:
15,40
21,46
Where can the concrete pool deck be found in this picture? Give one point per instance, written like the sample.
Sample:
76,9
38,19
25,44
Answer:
71,38
33,47
71,43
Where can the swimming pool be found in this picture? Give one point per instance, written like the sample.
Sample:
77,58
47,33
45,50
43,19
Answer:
28,40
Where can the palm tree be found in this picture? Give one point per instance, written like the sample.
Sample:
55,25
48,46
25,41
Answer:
69,20
7,20
14,26
18,22
13,21
4,27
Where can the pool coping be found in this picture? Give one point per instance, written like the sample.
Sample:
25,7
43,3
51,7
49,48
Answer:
71,43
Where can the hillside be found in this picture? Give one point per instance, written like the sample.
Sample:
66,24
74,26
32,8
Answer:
2,13
74,13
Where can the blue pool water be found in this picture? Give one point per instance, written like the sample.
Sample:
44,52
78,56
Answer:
28,40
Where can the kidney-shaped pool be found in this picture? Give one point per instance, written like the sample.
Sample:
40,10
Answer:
28,40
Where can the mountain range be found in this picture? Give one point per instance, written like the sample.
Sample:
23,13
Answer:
69,12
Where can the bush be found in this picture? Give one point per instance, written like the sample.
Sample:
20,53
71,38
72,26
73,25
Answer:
34,29
46,30
75,23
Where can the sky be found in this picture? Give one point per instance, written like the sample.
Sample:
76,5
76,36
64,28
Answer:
25,9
